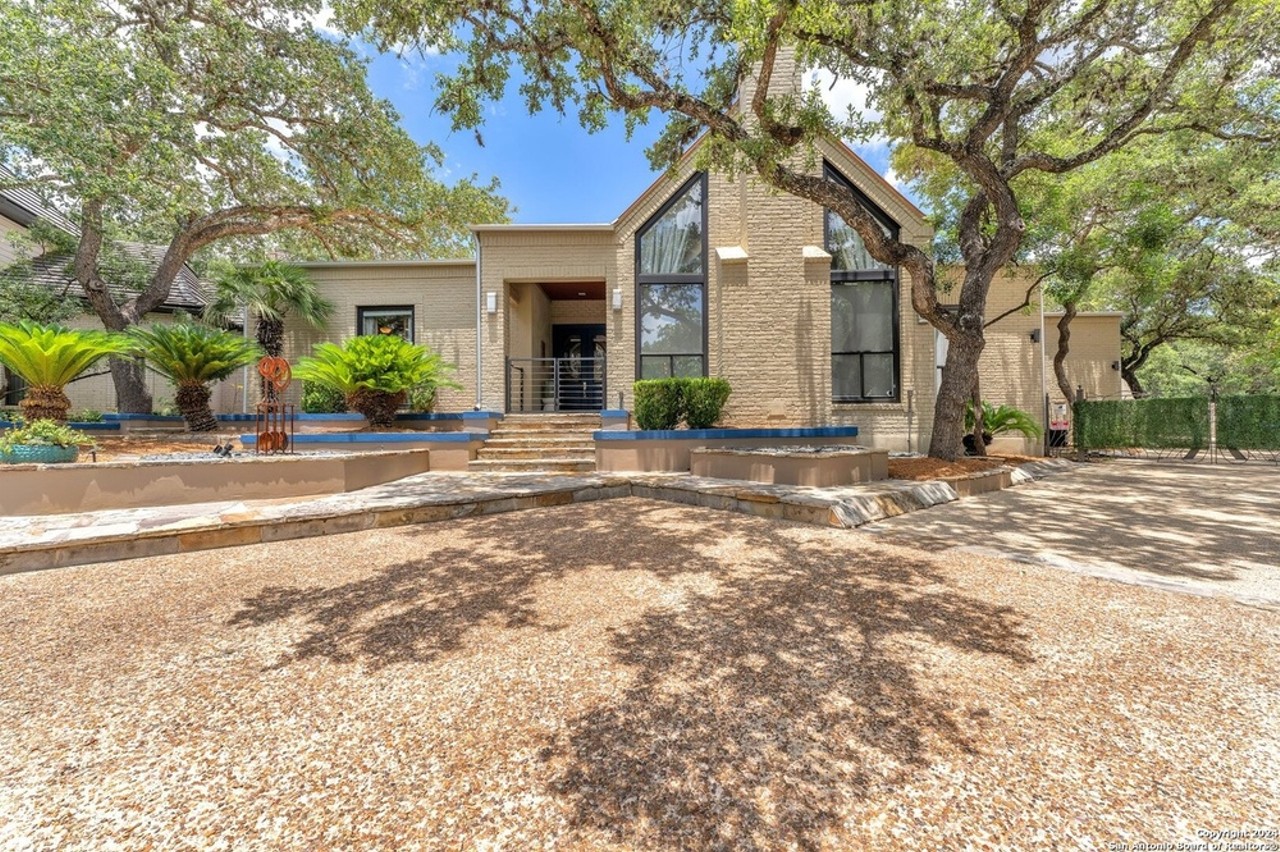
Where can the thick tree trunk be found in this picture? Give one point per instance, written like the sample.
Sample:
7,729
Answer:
1064,349
1130,377
132,395
193,402
958,377
271,336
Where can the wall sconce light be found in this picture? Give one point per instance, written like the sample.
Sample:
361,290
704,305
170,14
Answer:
1035,335
491,302
617,298
1115,365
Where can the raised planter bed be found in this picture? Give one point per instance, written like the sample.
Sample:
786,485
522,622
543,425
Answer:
449,450
816,466
37,489
670,450
466,421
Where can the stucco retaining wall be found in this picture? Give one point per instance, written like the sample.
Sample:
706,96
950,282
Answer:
59,489
821,469
660,450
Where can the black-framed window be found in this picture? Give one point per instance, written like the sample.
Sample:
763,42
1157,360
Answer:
671,286
865,347
385,319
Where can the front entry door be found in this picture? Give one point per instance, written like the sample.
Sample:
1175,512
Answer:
579,352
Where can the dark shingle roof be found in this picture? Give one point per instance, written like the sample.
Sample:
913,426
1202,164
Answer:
187,293
24,206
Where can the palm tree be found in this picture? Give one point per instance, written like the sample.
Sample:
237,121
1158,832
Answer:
272,290
192,356
49,357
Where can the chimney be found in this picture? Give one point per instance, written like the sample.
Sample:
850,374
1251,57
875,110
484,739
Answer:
786,78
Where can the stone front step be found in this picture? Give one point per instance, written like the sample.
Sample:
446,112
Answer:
544,428
556,465
541,435
520,440
539,452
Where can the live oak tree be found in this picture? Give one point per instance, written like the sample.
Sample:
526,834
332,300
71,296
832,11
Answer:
1001,88
198,123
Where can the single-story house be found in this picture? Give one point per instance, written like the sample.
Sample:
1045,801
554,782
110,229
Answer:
705,275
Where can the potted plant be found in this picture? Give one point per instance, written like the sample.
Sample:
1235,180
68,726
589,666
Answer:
998,420
42,442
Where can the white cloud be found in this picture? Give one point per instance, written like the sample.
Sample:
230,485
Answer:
892,177
322,20
841,94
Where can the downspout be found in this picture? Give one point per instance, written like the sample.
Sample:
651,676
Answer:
479,322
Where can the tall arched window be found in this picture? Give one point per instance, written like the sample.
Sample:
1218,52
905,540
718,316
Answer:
671,286
864,309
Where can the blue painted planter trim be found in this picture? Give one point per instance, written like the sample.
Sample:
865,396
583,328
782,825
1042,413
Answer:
83,426
614,413
480,415
163,418
721,434
380,438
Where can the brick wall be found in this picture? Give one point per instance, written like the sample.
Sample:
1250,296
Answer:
443,295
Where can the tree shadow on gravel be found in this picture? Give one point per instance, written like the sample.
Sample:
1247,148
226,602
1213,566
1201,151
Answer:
758,712
792,678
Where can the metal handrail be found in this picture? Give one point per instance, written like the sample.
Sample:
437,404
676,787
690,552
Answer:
556,384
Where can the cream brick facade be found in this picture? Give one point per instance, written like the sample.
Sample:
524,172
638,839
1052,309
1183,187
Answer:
441,293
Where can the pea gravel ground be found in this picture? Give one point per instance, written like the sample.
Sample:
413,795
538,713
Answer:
626,675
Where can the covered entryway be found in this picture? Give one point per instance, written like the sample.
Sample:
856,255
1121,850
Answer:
556,346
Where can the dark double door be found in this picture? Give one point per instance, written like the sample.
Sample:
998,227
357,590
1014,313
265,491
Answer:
579,353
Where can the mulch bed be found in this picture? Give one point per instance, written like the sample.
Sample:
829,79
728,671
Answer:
926,468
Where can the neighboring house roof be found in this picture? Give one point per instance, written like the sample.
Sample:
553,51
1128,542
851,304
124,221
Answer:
23,206
187,293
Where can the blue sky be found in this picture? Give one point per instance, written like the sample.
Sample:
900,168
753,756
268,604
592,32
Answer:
551,169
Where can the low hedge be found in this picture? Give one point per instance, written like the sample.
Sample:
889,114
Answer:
665,403
1154,424
1249,422
322,399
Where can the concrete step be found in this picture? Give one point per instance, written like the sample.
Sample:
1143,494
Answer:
538,434
561,452
549,423
557,465
522,440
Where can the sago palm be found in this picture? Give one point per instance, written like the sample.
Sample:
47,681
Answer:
193,356
49,357
272,291
375,373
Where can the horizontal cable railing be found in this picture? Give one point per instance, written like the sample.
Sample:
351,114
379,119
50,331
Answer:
555,384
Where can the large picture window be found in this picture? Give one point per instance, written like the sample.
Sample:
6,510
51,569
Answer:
386,319
671,284
864,309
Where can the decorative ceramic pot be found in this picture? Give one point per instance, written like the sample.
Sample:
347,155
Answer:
40,454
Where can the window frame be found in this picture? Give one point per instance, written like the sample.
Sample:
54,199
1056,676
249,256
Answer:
649,279
858,276
408,309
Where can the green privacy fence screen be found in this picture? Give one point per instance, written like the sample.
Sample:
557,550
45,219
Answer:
1249,422
1153,424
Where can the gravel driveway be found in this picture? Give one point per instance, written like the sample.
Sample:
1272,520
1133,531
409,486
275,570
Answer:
1210,529
627,675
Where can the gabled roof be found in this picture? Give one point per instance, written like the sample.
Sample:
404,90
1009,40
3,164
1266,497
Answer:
24,206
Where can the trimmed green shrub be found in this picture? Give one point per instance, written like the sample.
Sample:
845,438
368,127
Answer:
704,399
659,403
322,399
1249,422
665,403
49,433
